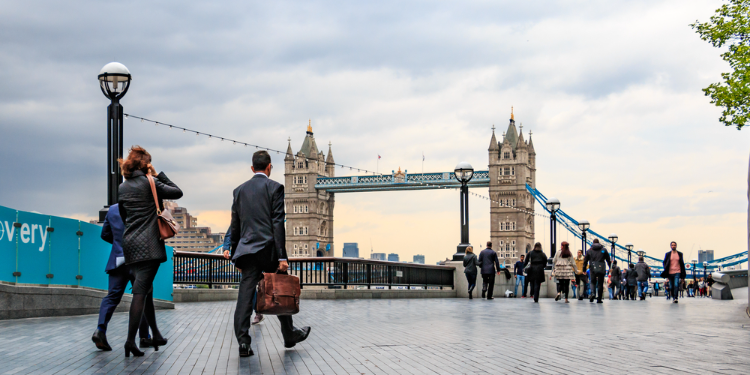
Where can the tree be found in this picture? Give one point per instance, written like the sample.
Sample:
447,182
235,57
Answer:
730,26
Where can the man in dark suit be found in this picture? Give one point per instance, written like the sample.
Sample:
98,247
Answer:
259,245
119,276
489,265
674,270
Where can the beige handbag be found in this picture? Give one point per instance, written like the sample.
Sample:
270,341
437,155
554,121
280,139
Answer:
168,228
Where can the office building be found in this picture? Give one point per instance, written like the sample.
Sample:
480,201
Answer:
705,256
191,237
393,257
351,250
377,256
419,259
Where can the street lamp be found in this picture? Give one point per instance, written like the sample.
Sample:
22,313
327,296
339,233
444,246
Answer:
613,240
641,253
705,266
583,225
553,204
695,264
114,80
463,173
629,246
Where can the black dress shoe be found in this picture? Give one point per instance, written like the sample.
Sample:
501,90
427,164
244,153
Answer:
245,350
298,336
100,340
145,343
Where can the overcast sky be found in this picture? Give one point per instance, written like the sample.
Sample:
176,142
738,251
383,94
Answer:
611,90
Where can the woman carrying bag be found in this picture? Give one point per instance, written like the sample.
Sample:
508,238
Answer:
143,240
470,269
564,268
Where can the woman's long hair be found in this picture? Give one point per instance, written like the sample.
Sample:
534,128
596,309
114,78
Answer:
138,160
538,246
565,250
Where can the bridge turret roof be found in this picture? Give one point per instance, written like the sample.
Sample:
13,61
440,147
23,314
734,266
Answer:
329,159
511,135
531,145
494,146
520,143
289,152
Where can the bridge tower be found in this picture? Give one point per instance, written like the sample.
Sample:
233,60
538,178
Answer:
512,166
309,212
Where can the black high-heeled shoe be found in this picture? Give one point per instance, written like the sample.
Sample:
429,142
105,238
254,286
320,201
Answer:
158,342
130,347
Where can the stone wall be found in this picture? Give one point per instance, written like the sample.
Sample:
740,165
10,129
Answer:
547,290
204,295
17,302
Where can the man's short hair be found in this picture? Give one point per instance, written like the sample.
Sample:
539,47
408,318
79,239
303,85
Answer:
489,244
261,159
596,240
522,255
640,259
673,242
614,262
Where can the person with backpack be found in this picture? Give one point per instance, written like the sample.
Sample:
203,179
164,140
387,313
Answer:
643,275
597,255
564,268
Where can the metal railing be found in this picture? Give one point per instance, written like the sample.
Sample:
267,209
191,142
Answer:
213,269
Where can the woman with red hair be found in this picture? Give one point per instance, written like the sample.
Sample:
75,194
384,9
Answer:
142,245
565,270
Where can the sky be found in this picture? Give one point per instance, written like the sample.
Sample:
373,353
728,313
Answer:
624,136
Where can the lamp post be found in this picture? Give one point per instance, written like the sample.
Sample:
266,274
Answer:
613,239
463,173
583,225
114,80
705,266
629,246
695,264
553,204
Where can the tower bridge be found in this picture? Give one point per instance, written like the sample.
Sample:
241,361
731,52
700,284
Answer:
311,185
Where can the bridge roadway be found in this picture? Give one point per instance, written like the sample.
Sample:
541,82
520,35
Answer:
402,336
409,181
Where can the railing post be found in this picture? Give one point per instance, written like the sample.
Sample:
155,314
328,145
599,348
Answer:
390,276
368,274
210,273
345,276
408,277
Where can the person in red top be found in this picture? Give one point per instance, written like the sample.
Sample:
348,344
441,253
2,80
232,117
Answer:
674,269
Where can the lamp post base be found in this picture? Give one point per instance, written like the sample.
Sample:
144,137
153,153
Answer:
460,252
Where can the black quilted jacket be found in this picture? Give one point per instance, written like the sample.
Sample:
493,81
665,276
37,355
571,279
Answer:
141,241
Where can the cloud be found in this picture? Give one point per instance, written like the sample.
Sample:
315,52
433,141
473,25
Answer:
623,134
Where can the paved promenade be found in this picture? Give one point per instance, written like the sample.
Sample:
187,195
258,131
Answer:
425,336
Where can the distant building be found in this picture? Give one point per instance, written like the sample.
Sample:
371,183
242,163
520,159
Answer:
351,250
377,256
705,256
191,237
419,259
393,257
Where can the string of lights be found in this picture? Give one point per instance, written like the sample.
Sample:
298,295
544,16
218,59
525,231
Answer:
279,152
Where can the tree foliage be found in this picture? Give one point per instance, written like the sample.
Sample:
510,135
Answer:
730,27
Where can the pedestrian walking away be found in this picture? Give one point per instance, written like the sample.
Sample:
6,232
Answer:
632,279
535,262
614,275
597,256
119,276
141,196
581,279
490,265
643,274
258,244
520,277
470,269
564,269
674,269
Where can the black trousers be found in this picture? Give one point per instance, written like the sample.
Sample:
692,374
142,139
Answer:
252,267
564,287
488,284
597,280
526,281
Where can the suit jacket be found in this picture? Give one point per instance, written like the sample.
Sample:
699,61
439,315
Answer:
667,260
112,232
258,219
488,262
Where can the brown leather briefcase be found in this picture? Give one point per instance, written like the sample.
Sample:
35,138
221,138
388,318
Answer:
278,294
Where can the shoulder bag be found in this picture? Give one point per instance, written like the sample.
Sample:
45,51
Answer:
167,226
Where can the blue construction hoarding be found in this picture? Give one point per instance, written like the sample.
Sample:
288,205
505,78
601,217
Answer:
41,249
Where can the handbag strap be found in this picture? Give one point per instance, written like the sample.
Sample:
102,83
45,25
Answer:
153,192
